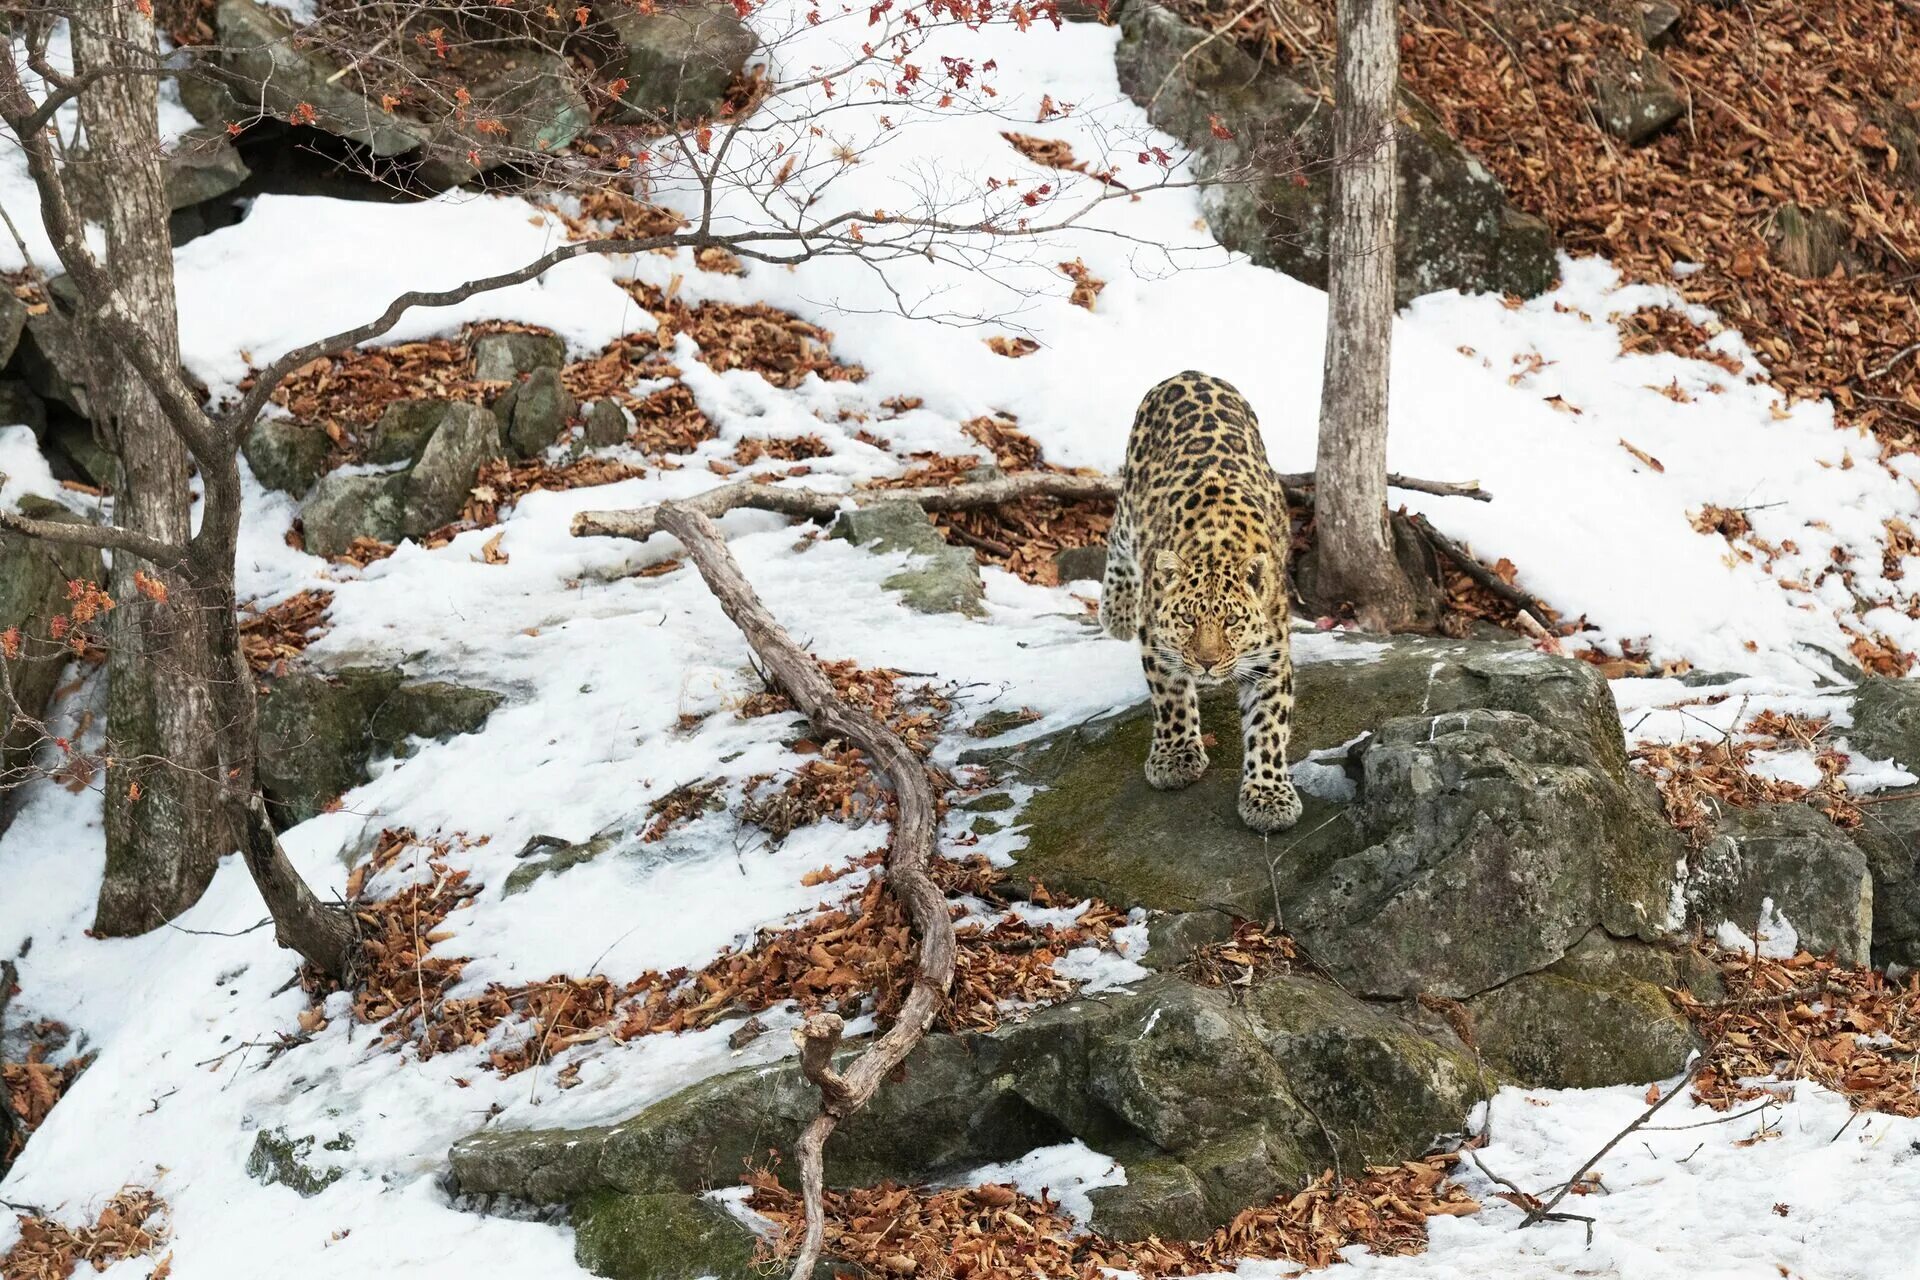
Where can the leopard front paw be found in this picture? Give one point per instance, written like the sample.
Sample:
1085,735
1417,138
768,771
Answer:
1269,806
1170,768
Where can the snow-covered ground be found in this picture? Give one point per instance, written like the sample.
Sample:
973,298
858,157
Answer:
600,665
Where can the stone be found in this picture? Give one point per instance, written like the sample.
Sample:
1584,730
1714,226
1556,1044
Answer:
607,424
542,407
345,505
437,487
287,455
1787,862
558,857
503,357
1161,1198
669,1236
401,432
280,1160
1659,20
1635,98
280,74
1886,721
73,441
1889,837
1173,940
941,578
1556,1029
19,407
1456,228
1195,1087
431,709
33,590
13,323
536,96
202,165
50,358
678,62
1080,564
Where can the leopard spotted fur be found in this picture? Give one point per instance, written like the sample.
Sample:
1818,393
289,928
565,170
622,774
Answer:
1196,575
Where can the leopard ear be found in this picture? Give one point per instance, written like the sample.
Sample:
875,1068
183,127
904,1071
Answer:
1168,562
1259,575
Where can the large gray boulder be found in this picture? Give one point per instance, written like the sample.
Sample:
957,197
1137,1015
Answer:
346,505
287,455
536,97
280,74
1457,230
201,165
467,437
1211,1096
678,60
1786,862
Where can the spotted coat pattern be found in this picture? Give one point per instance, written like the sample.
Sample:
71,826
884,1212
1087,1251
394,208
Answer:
1196,575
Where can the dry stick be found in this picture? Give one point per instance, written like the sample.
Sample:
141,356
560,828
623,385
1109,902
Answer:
1521,600
812,504
911,847
1693,1069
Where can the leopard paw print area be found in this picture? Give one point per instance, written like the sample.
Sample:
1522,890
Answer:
1196,574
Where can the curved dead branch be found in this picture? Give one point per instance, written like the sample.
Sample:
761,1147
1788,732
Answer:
842,1092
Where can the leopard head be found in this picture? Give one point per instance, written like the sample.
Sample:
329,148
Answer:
1218,616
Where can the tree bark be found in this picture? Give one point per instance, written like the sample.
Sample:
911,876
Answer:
1354,547
165,826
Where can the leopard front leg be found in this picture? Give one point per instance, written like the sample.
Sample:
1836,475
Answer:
1177,757
1268,801
1120,586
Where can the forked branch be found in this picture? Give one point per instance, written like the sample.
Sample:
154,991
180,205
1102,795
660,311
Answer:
844,1091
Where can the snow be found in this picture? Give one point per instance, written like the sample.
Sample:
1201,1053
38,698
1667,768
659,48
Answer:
1066,1172
598,666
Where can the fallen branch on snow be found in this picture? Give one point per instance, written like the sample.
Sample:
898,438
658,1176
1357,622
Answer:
841,1092
1528,605
812,504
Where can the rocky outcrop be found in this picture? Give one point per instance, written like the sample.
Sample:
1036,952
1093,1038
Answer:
440,447
319,732
677,61
1457,230
1228,1098
1786,863
287,455
941,578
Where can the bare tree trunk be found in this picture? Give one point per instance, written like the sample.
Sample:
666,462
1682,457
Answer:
165,829
1355,548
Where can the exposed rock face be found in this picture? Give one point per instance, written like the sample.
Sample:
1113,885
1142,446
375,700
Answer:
502,357
319,732
943,578
287,455
345,505
541,409
1791,863
536,96
661,1237
679,61
259,50
439,482
1456,228
1215,1095
445,443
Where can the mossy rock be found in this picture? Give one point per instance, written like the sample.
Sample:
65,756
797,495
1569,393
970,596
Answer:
467,437
33,590
279,1159
346,505
403,429
541,408
1581,1032
940,579
668,1236
558,858
287,455
503,357
676,63
435,709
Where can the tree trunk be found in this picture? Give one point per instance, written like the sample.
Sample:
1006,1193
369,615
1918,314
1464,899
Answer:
1354,551
165,826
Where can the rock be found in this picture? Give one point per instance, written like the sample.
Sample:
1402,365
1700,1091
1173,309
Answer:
1886,721
943,579
678,62
537,96
13,322
661,1237
202,165
1810,243
607,424
1456,227
319,732
1890,839
503,357
1794,859
1080,564
437,487
50,359
1195,1088
282,74
559,856
403,429
287,455
277,1159
542,408
345,505
19,406
1161,1198
1173,940
33,589
1636,97
1659,20
73,441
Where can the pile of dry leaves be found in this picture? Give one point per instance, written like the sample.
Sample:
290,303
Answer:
781,348
1856,1031
274,636
131,1225
1695,777
998,1233
32,1088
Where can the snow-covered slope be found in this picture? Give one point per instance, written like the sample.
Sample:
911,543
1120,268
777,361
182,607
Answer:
599,665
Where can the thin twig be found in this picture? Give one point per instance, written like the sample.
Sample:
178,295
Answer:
1521,600
1542,1213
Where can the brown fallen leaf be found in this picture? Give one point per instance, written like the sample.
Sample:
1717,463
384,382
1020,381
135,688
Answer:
1641,454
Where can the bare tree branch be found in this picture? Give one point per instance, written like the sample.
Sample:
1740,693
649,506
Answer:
910,850
105,537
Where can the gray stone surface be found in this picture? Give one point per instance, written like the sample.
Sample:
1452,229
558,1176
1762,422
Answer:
347,505
287,455
1793,858
941,578
438,484
679,60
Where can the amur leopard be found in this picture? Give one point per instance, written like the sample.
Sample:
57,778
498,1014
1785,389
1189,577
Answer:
1196,574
